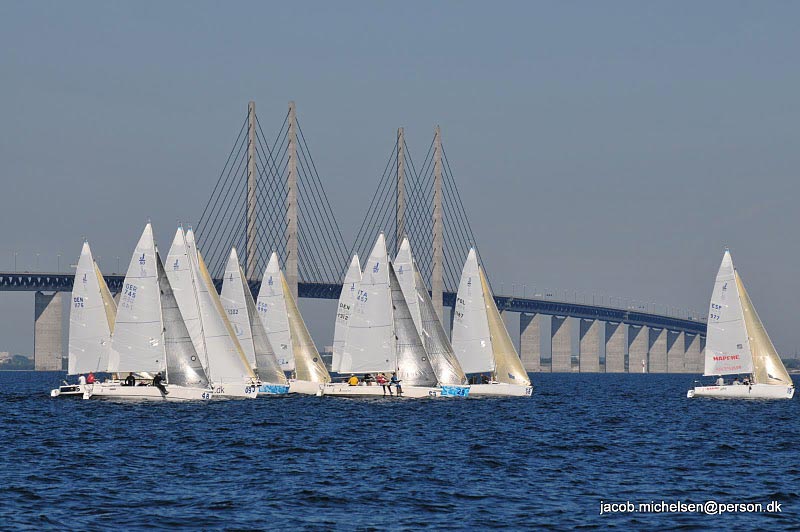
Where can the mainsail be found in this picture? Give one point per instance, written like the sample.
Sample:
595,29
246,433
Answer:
404,268
728,349
413,366
508,367
184,367
434,338
271,307
346,301
238,303
91,318
471,338
369,346
138,342
767,365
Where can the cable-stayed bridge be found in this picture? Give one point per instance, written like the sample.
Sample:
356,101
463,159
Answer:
270,196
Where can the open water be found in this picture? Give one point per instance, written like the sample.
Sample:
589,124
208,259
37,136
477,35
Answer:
327,463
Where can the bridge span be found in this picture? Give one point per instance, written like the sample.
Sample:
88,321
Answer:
554,335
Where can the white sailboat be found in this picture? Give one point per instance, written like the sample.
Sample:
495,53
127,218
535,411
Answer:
91,323
382,337
241,309
737,344
480,339
150,335
288,334
450,376
345,308
212,334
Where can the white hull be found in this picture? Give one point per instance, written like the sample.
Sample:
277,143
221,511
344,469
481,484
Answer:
339,389
306,387
70,390
235,391
500,389
741,391
115,390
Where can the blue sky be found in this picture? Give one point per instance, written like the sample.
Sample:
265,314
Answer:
610,147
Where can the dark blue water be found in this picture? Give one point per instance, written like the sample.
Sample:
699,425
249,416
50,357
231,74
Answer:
326,463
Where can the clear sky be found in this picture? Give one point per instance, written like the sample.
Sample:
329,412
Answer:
607,147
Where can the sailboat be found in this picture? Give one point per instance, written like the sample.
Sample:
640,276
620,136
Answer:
343,311
212,334
150,335
450,376
237,299
480,339
737,344
288,334
91,323
381,335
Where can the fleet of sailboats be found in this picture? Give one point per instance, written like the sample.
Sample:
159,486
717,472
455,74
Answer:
737,344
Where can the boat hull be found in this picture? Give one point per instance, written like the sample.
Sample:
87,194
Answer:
147,393
306,387
266,388
74,391
741,391
339,389
455,390
500,389
235,391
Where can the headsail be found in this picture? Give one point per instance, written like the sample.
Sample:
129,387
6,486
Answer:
413,366
138,342
90,319
434,338
508,367
727,345
184,367
767,365
369,346
346,301
471,338
308,364
271,307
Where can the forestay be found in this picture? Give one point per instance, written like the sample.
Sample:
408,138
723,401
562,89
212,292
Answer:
345,308
727,345
91,318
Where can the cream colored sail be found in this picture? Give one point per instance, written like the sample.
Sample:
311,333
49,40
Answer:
508,367
727,345
307,362
271,307
343,311
108,300
91,318
767,365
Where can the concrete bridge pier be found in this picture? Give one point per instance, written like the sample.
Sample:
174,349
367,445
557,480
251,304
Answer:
47,331
657,356
676,349
638,340
530,341
589,350
615,347
561,344
693,357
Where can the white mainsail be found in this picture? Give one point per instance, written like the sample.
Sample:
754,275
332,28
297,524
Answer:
727,343
182,277
369,346
471,339
271,307
346,301
91,318
138,342
238,303
404,268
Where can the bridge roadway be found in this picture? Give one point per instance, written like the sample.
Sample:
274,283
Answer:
62,282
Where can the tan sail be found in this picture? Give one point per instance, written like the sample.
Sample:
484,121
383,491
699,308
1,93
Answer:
767,365
108,301
206,278
307,361
508,367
